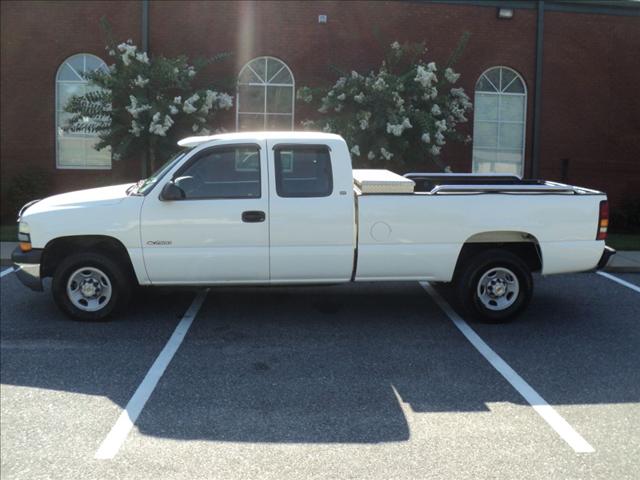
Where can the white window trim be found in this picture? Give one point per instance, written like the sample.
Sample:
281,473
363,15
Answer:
266,85
498,121
56,110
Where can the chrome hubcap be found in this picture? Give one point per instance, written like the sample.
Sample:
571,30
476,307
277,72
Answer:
89,289
498,288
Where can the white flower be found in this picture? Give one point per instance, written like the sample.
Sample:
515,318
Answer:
447,169
451,76
173,109
142,58
326,128
304,94
359,97
435,110
395,46
399,101
341,97
425,77
140,82
225,101
175,70
192,72
379,84
177,100
158,128
340,83
112,53
397,129
364,120
195,127
387,155
134,108
205,131
136,128
188,106
308,124
371,155
435,150
440,139
431,66
468,139
426,138
355,150
441,125
354,74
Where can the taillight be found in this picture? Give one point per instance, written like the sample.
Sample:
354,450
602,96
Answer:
603,220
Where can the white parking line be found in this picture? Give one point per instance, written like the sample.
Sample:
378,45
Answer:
118,434
620,281
6,272
539,404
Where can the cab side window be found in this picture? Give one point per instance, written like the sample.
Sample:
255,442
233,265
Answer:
303,171
223,173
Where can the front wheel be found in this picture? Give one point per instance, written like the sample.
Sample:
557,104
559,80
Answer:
90,286
494,286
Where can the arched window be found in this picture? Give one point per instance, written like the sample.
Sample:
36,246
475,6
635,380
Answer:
499,122
266,95
75,150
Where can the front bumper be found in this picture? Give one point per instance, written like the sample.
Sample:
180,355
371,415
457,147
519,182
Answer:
606,255
27,267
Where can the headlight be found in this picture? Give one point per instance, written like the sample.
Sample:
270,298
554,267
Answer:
24,236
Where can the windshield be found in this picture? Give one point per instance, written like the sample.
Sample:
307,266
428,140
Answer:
146,185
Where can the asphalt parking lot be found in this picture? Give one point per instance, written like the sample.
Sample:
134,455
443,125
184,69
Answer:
356,381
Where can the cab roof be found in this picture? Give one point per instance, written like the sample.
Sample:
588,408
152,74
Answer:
246,136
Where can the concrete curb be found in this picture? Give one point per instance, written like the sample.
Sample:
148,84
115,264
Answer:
621,262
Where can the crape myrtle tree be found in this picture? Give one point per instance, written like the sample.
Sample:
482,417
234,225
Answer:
144,104
400,116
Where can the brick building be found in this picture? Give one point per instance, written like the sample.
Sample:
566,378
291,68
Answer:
574,68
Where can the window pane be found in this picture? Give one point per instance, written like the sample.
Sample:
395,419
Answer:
67,90
512,108
247,160
485,134
279,122
216,175
303,172
283,77
510,136
250,122
486,107
507,77
77,62
516,87
483,85
65,73
250,99
273,67
506,168
97,158
71,151
494,77
279,99
259,66
93,63
247,76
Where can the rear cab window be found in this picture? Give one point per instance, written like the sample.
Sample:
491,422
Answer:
303,171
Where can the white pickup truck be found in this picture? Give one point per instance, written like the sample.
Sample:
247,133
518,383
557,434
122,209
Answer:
284,208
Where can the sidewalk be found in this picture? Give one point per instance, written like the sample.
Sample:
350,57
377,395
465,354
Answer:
623,261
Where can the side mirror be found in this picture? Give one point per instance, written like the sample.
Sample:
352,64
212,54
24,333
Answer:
171,192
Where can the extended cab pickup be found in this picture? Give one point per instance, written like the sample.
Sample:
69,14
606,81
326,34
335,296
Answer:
286,208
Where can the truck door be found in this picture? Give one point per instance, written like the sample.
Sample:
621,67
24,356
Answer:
219,233
311,213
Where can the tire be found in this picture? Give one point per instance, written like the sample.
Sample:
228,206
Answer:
90,286
493,286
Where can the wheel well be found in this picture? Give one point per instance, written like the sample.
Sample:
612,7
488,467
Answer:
529,252
59,248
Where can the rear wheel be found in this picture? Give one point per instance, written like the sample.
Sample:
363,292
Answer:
90,286
494,286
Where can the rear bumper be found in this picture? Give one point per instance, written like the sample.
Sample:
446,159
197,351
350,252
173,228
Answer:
606,255
27,267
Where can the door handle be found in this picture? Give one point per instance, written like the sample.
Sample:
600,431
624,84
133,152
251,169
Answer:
253,216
